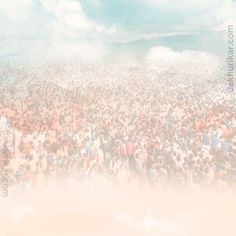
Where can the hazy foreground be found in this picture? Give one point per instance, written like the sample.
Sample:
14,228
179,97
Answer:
104,210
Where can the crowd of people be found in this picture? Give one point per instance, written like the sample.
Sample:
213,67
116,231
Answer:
128,125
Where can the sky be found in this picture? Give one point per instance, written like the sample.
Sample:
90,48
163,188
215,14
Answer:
98,30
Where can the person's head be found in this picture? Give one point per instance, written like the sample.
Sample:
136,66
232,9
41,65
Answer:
178,158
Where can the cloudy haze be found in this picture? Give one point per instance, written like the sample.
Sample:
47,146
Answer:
94,30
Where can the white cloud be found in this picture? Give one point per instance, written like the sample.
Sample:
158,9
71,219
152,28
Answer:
226,15
13,14
68,14
60,28
148,36
164,55
14,5
163,58
70,20
53,28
